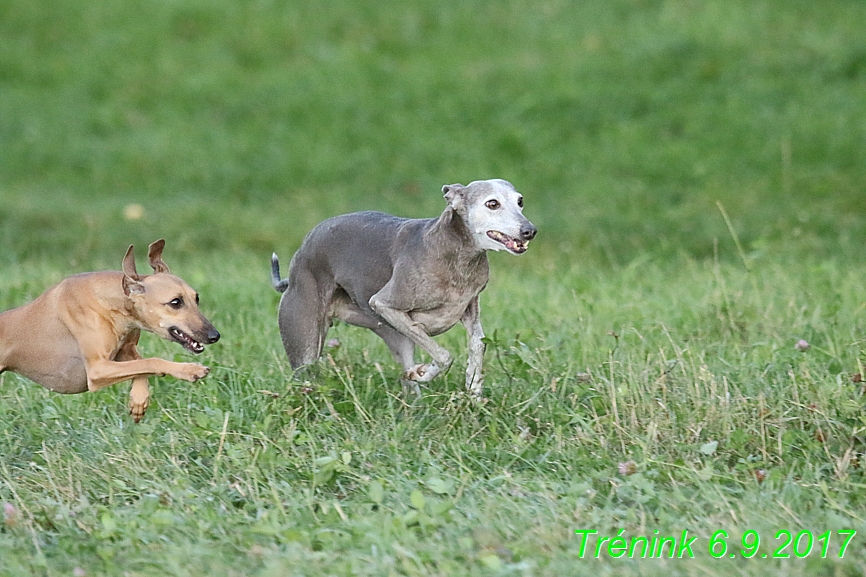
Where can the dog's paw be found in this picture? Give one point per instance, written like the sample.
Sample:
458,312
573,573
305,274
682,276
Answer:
138,406
192,372
422,373
415,373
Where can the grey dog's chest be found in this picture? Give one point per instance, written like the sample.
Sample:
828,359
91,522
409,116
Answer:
437,321
441,303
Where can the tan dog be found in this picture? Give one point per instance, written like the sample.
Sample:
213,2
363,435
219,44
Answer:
82,334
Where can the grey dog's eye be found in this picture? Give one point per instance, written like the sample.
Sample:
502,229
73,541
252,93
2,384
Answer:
176,303
492,204
520,202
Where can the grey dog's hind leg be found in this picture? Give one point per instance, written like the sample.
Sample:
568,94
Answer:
402,348
303,320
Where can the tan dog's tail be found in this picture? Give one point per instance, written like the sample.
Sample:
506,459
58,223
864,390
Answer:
280,285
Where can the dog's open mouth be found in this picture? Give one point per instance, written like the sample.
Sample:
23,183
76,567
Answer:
512,244
185,340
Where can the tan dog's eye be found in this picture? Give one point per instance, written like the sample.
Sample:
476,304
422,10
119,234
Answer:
196,298
176,303
492,204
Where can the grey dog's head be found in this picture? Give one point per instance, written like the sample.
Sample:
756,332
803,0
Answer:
493,212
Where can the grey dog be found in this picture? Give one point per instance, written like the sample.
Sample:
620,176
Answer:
405,279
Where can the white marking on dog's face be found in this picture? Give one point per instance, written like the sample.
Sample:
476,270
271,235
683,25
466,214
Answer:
494,214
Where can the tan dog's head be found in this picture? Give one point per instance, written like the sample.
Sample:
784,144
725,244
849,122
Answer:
164,304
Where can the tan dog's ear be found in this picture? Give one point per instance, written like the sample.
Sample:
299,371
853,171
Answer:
129,263
132,286
154,255
454,195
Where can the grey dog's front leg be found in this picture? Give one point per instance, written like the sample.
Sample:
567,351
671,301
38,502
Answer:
404,324
472,321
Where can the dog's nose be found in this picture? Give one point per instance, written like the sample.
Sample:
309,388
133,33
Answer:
213,336
528,231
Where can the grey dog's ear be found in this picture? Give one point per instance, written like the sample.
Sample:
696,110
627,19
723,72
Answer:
154,256
454,195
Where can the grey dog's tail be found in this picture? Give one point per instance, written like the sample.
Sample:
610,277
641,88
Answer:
280,285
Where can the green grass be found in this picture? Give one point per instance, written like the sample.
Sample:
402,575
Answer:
634,330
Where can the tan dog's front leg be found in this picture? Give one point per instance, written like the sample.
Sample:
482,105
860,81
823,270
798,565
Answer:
139,398
104,373
139,394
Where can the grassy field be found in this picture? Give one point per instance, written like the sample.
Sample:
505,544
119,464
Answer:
697,172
